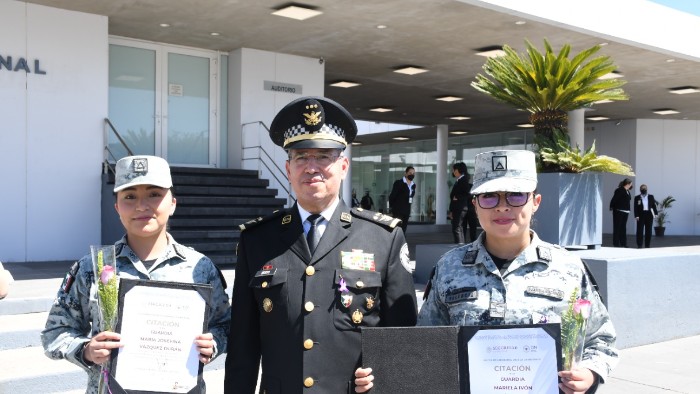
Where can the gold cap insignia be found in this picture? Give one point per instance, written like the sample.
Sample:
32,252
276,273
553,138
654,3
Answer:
314,117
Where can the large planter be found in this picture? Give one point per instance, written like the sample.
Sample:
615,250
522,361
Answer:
659,231
571,212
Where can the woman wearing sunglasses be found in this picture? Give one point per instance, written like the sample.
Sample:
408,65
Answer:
509,276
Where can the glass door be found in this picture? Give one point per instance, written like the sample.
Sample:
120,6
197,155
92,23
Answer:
163,102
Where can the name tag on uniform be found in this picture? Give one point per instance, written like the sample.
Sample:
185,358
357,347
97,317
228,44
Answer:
497,309
357,260
266,270
545,291
461,294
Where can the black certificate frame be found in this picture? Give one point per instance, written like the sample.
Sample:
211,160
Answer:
466,333
126,285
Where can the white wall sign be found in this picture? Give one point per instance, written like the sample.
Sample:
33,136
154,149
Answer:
282,87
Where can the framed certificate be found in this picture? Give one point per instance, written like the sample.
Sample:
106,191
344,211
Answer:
158,322
510,358
465,360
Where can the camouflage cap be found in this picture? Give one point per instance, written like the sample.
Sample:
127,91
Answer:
142,170
504,171
313,122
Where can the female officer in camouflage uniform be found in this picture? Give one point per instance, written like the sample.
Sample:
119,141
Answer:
144,204
510,276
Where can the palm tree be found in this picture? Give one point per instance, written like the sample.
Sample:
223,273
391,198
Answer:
548,86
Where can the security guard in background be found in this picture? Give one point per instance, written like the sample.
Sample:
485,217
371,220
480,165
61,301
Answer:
309,277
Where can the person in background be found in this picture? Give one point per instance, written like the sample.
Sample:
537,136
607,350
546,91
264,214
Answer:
144,202
309,277
401,197
509,276
355,201
644,213
461,206
367,202
5,280
620,207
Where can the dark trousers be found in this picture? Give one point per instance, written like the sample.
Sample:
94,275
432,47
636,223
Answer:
620,228
644,228
460,221
404,220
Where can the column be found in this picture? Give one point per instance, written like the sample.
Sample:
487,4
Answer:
575,125
441,192
346,189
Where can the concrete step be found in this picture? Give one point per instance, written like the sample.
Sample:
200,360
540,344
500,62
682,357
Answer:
30,296
21,331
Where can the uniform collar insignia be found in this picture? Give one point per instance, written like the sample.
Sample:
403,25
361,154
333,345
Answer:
470,257
345,217
544,253
287,219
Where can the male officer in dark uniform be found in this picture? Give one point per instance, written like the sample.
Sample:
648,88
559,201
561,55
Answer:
298,306
461,205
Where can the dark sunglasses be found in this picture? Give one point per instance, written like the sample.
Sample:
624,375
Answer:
491,200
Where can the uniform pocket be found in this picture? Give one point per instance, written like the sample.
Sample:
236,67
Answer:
357,304
270,291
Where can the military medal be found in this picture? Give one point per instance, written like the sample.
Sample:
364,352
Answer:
357,316
267,305
346,300
370,302
343,285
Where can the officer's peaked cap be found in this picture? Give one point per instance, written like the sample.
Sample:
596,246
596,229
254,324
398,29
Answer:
313,122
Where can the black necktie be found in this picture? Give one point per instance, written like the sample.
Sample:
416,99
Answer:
313,236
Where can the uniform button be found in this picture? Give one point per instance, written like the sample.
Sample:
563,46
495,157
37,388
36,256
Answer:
308,382
360,284
264,285
310,270
309,306
308,344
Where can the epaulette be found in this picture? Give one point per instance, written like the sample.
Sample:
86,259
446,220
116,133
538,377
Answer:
259,220
379,218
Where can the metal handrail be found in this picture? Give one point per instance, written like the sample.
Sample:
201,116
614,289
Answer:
285,180
119,137
107,166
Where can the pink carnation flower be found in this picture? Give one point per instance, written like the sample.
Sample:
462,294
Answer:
582,307
107,274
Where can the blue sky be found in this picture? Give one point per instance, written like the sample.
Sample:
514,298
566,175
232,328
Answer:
689,6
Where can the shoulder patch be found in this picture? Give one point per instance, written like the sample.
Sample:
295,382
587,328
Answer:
376,217
252,223
544,253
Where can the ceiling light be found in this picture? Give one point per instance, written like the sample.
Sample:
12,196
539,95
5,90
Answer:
381,109
299,13
597,118
381,26
449,98
458,132
460,117
345,84
612,75
684,90
602,101
670,60
520,22
603,44
411,70
214,33
165,25
491,51
665,111
401,138
526,125
356,142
